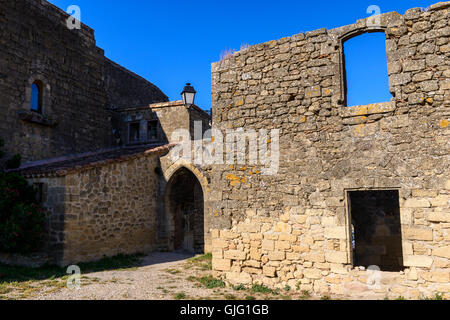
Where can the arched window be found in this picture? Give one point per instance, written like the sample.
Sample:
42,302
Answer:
366,75
36,96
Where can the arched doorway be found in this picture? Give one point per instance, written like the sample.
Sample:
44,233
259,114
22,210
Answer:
185,212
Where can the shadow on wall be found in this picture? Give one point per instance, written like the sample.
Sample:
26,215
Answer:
137,127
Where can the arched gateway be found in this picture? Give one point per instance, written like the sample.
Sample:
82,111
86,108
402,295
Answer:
184,212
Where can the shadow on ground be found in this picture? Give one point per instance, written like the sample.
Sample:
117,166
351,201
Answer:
163,257
12,274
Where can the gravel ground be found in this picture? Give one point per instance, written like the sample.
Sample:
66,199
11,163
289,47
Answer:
161,277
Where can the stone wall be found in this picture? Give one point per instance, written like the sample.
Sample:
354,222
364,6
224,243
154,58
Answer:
293,228
53,200
107,209
111,210
126,89
171,116
79,84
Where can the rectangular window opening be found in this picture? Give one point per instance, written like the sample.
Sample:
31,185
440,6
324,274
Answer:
376,229
40,192
152,130
134,132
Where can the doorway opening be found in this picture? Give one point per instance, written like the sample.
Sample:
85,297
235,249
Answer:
376,229
185,212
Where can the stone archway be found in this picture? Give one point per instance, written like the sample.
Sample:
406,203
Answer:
184,209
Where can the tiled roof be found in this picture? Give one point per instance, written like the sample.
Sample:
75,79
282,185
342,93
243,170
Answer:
69,164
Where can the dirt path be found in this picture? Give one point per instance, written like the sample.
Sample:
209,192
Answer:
161,277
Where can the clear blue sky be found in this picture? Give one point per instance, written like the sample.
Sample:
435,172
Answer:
174,42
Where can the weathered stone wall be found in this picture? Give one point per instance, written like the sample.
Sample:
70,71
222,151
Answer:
53,200
199,118
293,227
172,116
126,89
79,84
111,210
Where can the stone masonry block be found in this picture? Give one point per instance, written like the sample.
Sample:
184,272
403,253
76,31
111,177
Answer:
336,233
234,255
416,233
221,264
336,257
418,261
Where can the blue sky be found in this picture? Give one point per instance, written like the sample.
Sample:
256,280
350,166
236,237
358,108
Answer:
174,42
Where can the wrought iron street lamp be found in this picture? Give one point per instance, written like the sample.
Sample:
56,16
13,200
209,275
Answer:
188,95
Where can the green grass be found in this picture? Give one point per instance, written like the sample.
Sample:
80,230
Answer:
172,271
203,262
180,296
4,289
211,283
437,296
165,291
305,295
258,288
250,298
240,287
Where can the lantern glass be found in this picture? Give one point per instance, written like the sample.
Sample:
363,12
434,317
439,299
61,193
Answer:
188,98
188,95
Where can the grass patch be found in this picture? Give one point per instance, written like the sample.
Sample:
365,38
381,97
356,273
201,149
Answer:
180,296
172,271
230,297
258,288
250,298
240,287
211,283
164,290
305,295
437,296
4,289
203,262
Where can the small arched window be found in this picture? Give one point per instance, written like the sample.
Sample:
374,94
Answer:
36,96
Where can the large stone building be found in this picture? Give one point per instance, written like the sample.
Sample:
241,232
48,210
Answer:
356,185
94,137
379,172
